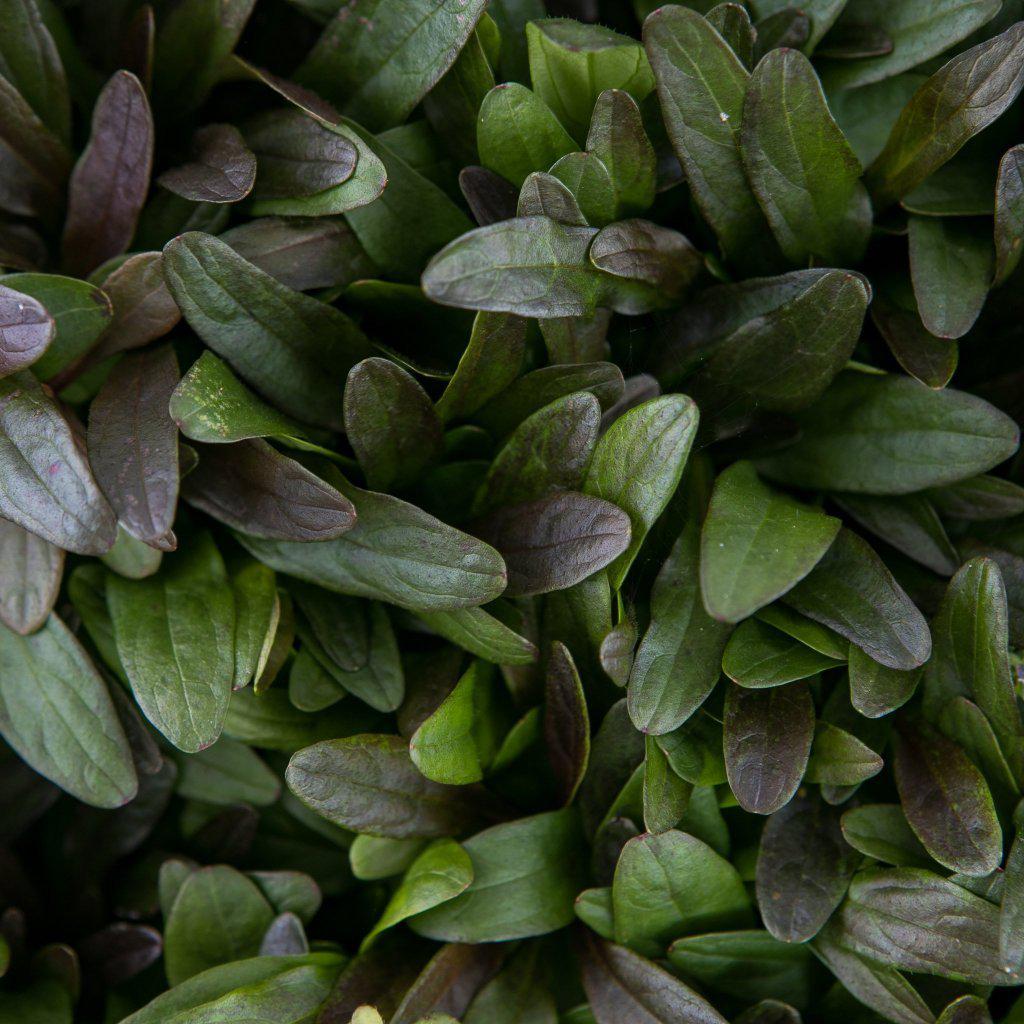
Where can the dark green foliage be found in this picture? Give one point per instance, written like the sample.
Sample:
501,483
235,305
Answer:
511,512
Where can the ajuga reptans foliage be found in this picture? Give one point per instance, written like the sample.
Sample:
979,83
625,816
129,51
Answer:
511,513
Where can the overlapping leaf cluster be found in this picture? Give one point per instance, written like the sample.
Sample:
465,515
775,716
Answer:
511,514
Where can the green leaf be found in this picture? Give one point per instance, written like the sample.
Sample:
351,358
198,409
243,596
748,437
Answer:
1009,214
951,264
760,657
908,523
306,167
381,225
517,133
293,348
226,773
800,166
775,342
395,553
873,983
133,444
756,544
733,24
624,986
890,435
543,195
566,722
81,314
285,989
379,69
30,576
549,451
301,252
571,64
701,87
554,543
218,916
649,267
526,874
876,689
175,638
531,266
534,390
767,739
838,758
1011,951
665,795
30,61
638,463
257,616
881,831
811,634
852,592
679,658
918,29
211,404
56,714
947,802
971,633
36,170
453,104
518,993
369,784
803,869
437,875
192,45
482,634
748,965
670,885
618,139
489,364
917,921
950,108
457,741
46,484
590,183
391,424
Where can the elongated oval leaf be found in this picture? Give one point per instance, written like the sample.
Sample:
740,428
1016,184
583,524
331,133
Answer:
803,868
557,541
46,485
30,575
891,435
111,178
253,488
767,739
947,802
950,108
801,168
756,544
291,347
223,168
369,784
852,592
175,638
56,713
638,463
133,443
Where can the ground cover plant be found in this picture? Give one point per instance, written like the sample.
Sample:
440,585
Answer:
511,514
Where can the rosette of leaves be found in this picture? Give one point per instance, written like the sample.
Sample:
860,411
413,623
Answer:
511,512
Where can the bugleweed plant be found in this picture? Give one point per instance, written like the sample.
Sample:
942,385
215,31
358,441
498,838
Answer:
511,515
